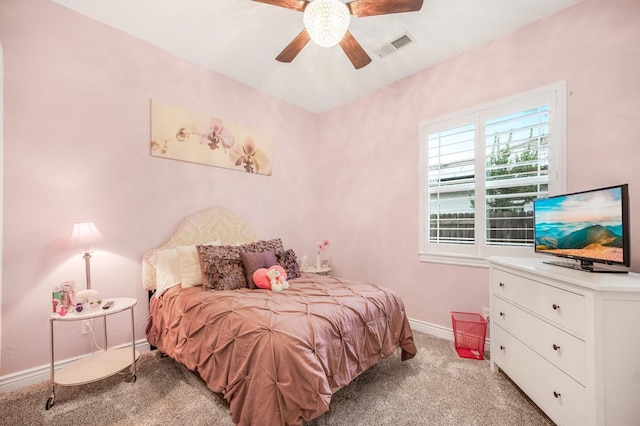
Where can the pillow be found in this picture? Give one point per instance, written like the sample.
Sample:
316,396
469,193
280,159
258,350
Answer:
190,272
289,261
167,266
264,245
222,267
261,278
252,261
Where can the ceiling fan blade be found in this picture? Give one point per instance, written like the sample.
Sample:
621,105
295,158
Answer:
291,51
354,51
362,8
289,4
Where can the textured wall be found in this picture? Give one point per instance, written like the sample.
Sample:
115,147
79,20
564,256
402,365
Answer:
77,132
370,147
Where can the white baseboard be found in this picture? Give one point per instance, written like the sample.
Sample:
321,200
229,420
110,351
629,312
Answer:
25,378
431,329
438,331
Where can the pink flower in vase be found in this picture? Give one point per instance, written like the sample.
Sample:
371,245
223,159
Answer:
321,246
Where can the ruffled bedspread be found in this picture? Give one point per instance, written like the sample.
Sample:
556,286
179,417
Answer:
275,356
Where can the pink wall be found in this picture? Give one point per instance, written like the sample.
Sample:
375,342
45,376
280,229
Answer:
369,165
77,124
76,146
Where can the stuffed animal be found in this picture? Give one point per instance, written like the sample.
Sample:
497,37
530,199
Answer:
274,278
277,279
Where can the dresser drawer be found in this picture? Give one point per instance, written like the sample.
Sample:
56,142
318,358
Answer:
558,306
563,350
558,395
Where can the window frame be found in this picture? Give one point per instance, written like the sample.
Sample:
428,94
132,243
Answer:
554,95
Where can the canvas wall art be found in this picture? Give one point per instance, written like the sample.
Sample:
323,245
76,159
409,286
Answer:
180,134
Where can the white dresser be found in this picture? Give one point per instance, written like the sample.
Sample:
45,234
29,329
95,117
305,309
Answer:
569,339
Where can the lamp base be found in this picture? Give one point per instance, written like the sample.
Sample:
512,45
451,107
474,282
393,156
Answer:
87,264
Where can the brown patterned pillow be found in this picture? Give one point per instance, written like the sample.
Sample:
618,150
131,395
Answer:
264,245
289,261
222,267
253,261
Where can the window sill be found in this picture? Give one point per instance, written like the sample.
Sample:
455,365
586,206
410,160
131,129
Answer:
448,259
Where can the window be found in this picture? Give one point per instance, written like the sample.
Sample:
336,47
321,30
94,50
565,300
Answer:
480,171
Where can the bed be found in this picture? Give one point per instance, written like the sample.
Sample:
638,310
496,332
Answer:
276,357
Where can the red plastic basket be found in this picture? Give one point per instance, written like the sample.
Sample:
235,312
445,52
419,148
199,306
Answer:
469,332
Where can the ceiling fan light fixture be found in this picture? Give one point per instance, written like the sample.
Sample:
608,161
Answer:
326,21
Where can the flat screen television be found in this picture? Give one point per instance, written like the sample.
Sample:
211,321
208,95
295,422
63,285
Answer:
591,227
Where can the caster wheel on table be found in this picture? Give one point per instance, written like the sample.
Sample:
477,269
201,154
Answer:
49,402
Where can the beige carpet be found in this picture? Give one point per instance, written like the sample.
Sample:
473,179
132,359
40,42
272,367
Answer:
434,388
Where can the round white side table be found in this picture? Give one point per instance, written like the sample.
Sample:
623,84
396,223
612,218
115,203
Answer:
319,271
102,364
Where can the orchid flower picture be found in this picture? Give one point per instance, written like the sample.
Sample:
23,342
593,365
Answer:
180,134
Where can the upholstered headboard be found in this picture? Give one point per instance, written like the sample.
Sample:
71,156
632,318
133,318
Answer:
210,224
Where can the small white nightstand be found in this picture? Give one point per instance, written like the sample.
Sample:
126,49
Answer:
319,271
101,365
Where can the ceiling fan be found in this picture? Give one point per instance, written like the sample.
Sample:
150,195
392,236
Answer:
327,22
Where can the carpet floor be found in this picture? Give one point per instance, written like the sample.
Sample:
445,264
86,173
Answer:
435,388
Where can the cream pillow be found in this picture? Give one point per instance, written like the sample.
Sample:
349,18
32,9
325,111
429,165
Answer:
190,271
167,266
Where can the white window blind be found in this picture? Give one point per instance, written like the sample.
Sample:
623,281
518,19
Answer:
451,174
481,171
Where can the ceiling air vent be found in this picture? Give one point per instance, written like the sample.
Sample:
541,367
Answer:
393,46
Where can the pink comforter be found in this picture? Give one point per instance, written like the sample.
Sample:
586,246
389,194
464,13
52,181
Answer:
276,355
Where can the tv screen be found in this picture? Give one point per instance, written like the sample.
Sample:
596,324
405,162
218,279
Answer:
590,226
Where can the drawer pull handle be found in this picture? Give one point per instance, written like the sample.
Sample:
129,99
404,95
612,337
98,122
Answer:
502,314
556,307
501,285
556,347
556,394
502,348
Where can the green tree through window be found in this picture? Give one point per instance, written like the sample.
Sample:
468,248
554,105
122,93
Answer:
503,163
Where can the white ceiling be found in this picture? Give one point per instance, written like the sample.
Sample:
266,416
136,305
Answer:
241,38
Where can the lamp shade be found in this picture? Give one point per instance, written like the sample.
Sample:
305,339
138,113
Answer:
85,234
326,21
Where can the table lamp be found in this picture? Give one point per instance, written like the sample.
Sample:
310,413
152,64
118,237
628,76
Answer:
85,234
